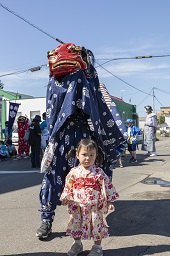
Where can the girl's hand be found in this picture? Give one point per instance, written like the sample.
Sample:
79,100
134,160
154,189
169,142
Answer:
64,201
110,206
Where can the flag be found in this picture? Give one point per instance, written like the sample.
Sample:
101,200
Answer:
0,111
13,109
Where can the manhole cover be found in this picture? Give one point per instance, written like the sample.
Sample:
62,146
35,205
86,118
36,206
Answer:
156,181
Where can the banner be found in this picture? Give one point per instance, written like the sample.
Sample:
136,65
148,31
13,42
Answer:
13,109
0,114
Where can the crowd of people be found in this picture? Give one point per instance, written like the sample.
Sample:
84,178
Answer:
32,147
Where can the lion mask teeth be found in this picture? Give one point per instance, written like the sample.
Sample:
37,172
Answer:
65,59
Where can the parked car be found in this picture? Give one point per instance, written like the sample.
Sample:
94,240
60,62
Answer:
15,136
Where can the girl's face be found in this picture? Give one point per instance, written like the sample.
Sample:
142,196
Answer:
86,157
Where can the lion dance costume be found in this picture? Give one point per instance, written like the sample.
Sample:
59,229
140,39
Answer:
75,109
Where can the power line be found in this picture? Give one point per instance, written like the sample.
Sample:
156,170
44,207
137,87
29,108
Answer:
164,91
23,71
144,99
31,24
108,60
122,80
134,58
158,101
148,94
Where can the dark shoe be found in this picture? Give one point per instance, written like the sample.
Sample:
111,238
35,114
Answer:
44,230
134,160
131,160
33,166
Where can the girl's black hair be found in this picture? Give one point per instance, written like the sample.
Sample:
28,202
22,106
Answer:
9,142
89,144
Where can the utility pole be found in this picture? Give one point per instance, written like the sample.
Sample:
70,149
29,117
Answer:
153,100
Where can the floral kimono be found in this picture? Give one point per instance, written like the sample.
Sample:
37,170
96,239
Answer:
88,192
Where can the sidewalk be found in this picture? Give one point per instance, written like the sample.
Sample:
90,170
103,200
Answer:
139,226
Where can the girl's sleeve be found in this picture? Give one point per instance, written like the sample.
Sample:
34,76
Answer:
68,188
110,191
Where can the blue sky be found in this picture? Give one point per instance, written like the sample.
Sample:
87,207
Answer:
110,29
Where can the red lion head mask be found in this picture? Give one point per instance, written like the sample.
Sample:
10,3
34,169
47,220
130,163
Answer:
65,59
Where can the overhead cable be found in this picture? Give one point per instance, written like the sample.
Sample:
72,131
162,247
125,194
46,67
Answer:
144,99
60,41
122,80
31,24
23,71
164,91
158,101
134,58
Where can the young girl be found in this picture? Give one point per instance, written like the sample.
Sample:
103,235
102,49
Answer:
88,192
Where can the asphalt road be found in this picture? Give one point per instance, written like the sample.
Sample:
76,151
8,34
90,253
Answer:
139,226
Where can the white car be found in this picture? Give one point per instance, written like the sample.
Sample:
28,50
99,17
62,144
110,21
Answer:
15,136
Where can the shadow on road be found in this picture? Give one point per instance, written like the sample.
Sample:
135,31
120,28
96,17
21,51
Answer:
134,217
54,235
19,181
129,251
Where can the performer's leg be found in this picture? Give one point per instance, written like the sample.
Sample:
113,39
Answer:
33,156
49,199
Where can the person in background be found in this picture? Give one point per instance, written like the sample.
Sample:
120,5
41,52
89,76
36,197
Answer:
45,133
150,132
23,146
6,133
11,148
89,194
3,151
35,141
132,142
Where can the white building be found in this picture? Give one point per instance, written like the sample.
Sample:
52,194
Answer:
28,108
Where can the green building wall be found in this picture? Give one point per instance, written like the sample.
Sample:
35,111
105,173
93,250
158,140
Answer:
7,96
127,110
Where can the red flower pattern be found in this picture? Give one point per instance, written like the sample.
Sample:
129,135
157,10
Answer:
88,193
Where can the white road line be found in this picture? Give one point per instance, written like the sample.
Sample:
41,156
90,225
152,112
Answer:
14,172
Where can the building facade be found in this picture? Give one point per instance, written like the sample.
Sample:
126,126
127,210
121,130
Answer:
30,106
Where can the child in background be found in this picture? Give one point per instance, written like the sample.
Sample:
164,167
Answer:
89,194
3,151
11,148
5,131
133,132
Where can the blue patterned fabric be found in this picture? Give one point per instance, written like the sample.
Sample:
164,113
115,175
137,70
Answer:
75,109
121,125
